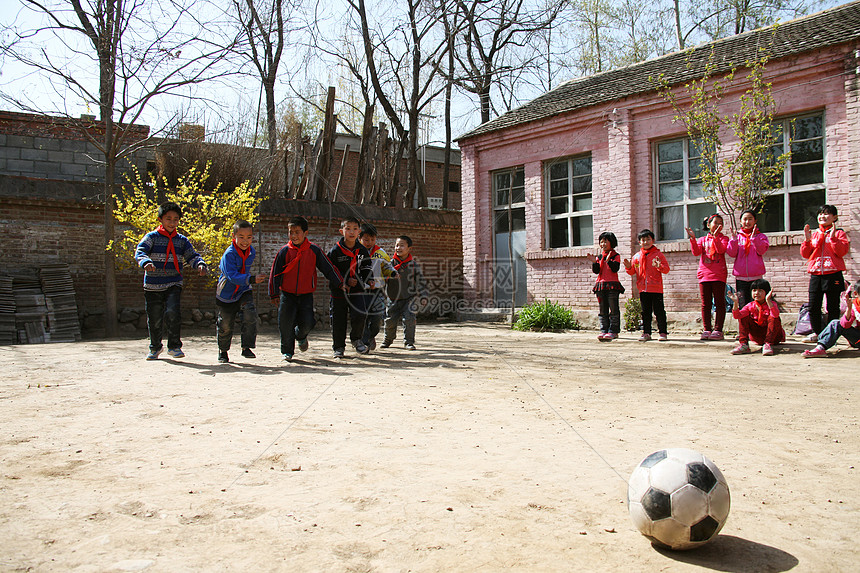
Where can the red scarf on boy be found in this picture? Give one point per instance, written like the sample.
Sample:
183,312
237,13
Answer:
353,259
244,256
170,248
642,254
397,262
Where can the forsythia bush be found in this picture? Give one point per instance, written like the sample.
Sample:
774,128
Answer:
207,218
547,315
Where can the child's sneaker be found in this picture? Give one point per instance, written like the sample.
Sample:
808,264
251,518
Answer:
360,347
706,335
767,349
385,343
222,357
604,336
303,344
811,339
248,353
409,346
612,336
372,344
288,357
176,352
716,335
645,337
153,354
338,353
817,352
663,337
742,348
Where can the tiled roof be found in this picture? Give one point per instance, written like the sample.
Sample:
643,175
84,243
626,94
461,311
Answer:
828,28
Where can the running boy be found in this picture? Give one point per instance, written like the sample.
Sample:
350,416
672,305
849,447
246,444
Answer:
292,283
352,260
649,265
233,294
381,271
161,254
401,292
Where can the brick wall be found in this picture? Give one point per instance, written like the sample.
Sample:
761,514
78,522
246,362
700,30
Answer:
56,221
620,136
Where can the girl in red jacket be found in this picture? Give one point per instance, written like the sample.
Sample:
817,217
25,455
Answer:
607,289
824,249
649,265
712,274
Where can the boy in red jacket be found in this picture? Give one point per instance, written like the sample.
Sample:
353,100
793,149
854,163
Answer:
824,248
649,265
292,283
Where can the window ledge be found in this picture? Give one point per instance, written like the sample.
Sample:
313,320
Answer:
569,252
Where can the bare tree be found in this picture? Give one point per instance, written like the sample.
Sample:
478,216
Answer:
142,49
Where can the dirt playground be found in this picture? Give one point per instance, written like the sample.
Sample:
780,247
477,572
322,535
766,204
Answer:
483,450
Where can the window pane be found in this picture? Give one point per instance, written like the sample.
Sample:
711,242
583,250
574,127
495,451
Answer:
583,232
503,180
696,215
502,197
558,188
558,170
671,223
807,174
808,127
582,184
695,168
671,192
697,190
672,171
804,208
670,151
582,166
582,203
558,206
500,221
558,233
519,219
518,194
771,219
519,178
803,151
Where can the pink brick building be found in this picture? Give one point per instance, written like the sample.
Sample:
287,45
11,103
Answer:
602,154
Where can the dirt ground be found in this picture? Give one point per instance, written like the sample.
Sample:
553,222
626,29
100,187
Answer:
484,450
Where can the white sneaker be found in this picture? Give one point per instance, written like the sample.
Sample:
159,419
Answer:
811,339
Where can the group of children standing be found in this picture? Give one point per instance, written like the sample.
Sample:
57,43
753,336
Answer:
359,272
753,305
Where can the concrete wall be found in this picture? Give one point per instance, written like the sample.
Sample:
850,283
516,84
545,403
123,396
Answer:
624,183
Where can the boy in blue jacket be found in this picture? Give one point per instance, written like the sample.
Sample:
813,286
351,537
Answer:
292,283
161,254
233,294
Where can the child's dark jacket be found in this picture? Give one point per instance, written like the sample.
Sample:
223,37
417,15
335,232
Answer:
294,270
409,282
358,260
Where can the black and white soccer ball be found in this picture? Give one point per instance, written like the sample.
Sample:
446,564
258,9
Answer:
678,498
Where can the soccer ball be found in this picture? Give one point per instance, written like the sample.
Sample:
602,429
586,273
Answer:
678,498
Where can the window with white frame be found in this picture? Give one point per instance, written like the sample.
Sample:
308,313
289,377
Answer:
509,190
681,198
796,202
568,213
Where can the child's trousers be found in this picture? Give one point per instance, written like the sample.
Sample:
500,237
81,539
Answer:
831,333
713,291
295,319
652,302
162,312
610,313
225,319
830,285
749,329
397,310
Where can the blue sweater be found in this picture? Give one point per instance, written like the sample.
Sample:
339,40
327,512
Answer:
153,249
233,283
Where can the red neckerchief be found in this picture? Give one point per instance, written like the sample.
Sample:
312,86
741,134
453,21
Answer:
763,313
374,249
748,237
244,257
642,254
299,252
818,245
170,248
857,309
353,258
711,246
399,263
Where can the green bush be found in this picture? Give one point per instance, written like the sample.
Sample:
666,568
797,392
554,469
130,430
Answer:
632,314
546,316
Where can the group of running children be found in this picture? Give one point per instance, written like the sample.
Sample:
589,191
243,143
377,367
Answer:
362,279
361,274
753,302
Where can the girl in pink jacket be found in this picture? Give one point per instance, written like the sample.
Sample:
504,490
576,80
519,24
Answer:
712,274
847,326
824,249
747,248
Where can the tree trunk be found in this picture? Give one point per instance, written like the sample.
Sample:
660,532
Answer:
271,117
